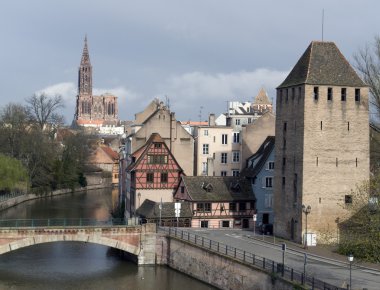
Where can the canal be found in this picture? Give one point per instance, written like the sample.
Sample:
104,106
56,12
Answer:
76,265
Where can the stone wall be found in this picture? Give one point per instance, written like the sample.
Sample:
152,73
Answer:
217,270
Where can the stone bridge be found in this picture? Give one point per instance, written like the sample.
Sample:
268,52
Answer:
137,240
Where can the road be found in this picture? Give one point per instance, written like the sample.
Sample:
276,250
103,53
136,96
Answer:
323,268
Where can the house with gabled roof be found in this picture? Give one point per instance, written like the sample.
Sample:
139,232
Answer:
218,202
106,159
153,173
260,171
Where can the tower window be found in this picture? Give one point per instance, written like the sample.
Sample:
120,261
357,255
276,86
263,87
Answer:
336,162
283,181
356,161
357,95
316,93
287,95
321,125
316,161
280,95
285,126
283,162
293,93
348,199
343,94
329,94
348,126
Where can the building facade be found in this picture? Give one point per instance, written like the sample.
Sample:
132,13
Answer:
92,111
322,143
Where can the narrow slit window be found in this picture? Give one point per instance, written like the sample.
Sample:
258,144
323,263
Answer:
329,94
336,162
343,94
287,95
348,126
293,94
316,93
321,125
356,161
357,95
316,161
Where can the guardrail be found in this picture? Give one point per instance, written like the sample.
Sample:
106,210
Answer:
81,222
251,259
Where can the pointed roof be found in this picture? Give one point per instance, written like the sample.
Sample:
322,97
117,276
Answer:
85,55
262,98
323,64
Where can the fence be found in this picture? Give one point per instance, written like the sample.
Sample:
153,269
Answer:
35,223
12,194
251,259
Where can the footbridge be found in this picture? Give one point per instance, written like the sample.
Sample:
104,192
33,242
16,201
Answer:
137,240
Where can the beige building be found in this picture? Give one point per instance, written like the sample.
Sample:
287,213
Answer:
322,143
217,150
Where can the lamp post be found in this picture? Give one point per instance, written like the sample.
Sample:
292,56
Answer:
306,210
350,259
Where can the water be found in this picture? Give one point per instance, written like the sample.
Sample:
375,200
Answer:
77,265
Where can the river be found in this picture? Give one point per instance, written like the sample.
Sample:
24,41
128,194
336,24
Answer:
77,265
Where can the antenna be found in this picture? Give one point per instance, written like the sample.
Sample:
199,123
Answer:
323,20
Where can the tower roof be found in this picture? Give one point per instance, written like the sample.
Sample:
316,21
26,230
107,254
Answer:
262,98
322,64
85,55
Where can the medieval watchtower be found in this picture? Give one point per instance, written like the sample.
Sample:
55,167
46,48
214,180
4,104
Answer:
322,142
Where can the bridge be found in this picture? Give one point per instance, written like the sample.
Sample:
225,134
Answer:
137,240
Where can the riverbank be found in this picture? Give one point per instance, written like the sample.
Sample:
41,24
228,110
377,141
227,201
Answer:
30,196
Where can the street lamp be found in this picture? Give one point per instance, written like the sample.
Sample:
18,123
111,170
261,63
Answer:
350,259
306,210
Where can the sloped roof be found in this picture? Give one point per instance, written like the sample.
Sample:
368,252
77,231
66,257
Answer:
264,151
323,64
151,209
226,188
114,155
262,98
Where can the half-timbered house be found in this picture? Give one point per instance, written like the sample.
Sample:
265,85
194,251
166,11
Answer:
154,172
218,202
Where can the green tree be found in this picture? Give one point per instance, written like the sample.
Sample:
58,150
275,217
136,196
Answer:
360,233
13,174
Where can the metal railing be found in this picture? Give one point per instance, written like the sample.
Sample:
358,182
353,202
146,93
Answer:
54,222
13,194
251,259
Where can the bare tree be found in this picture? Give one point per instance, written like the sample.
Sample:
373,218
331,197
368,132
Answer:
44,109
368,64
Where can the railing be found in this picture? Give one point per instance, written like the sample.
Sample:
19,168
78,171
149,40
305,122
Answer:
37,223
13,194
251,259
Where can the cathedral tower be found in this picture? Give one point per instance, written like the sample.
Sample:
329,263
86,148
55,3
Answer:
85,72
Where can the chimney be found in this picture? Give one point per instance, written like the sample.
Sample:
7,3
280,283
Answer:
211,120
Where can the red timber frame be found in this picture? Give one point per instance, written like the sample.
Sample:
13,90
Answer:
156,168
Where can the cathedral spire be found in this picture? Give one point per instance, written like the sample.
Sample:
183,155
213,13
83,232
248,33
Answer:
85,72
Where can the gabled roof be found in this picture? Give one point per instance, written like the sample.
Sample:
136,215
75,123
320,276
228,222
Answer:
151,209
140,153
215,188
262,98
264,151
114,155
323,64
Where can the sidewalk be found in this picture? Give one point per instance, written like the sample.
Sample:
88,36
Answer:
327,251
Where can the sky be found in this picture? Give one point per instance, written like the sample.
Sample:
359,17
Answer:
199,54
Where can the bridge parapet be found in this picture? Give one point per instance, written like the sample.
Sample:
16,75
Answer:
137,240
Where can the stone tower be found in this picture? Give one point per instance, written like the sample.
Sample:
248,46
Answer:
322,143
93,111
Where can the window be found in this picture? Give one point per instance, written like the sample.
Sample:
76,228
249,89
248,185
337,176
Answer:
205,149
237,121
343,93
293,93
225,224
283,162
164,177
242,206
299,92
182,189
321,125
223,173
207,207
285,126
316,93
283,181
280,95
236,137
235,173
357,95
268,182
157,159
150,177
204,224
205,133
204,207
200,207
232,206
235,156
270,165
329,94
268,200
284,143
204,168
249,120
157,145
348,126
224,139
223,158
348,199
287,96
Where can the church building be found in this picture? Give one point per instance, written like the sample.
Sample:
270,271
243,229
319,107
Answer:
93,111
